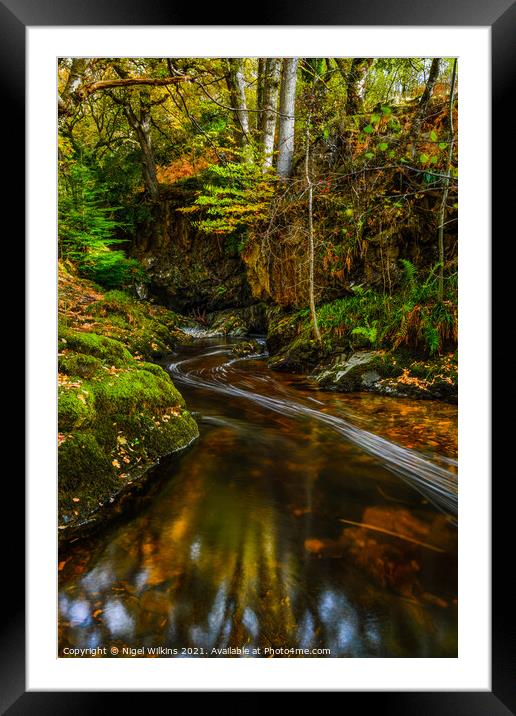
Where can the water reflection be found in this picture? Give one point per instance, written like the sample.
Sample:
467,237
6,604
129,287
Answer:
272,531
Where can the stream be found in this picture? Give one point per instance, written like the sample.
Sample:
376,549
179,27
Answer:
302,523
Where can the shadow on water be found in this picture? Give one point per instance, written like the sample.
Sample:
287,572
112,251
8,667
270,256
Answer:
295,521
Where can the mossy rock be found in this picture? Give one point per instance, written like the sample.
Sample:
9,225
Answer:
112,430
153,368
360,371
76,407
84,467
118,414
299,356
106,349
247,348
79,365
148,330
136,389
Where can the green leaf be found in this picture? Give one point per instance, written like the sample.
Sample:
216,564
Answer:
386,110
375,118
383,146
443,145
424,158
433,160
369,155
433,135
368,129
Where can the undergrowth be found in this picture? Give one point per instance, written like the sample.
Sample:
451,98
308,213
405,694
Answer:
413,317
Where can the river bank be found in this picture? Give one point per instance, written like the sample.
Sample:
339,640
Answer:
342,362
118,413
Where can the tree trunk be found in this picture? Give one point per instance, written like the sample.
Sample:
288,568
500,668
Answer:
236,86
270,106
355,79
343,65
74,81
141,127
260,82
287,117
442,213
311,250
423,102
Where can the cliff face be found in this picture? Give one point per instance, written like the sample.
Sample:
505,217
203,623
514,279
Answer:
194,272
354,245
189,270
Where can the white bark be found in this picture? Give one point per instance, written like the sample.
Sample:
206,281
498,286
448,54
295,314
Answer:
270,106
287,116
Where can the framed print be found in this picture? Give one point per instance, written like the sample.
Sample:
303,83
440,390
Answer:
259,260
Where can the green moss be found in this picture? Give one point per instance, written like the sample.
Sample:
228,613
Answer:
160,434
117,415
107,349
79,364
84,467
154,369
120,297
76,407
136,389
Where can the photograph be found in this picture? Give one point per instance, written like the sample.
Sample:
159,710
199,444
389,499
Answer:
257,357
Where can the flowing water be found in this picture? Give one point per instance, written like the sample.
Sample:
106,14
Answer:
302,520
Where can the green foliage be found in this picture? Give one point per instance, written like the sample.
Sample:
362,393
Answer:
234,196
412,316
87,229
369,332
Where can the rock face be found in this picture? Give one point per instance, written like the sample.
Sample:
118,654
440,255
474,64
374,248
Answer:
239,321
189,270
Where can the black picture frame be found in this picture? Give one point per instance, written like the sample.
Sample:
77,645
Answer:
500,16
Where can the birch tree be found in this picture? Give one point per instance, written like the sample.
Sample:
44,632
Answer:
270,106
287,116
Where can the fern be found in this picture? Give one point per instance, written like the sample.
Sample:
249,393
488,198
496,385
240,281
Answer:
369,332
410,272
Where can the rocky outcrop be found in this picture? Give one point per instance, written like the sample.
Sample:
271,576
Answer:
239,321
361,371
189,270
390,373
